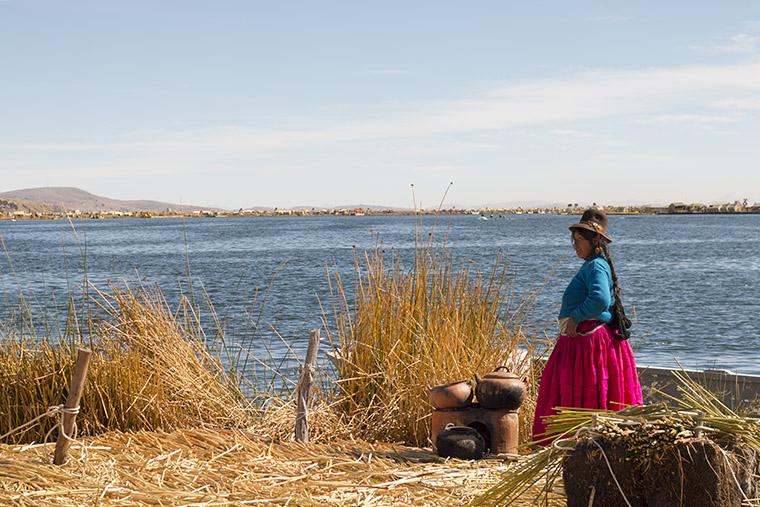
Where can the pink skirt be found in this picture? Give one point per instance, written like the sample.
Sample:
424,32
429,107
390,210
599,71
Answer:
593,371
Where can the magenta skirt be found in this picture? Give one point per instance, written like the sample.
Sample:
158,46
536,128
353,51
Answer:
592,371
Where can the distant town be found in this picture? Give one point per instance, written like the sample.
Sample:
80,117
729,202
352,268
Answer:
10,210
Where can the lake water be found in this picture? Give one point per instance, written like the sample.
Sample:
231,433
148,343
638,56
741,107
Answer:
691,281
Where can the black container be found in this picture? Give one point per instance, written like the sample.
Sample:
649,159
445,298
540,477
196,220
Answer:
460,442
500,390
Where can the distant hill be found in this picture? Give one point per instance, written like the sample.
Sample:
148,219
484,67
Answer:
70,199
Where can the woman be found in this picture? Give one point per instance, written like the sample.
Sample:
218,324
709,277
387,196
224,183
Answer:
592,364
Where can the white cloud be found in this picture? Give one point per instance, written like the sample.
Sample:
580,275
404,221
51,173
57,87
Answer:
576,134
693,119
448,147
742,43
739,103
585,137
666,95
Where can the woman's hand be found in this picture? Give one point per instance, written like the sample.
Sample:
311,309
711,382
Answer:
571,328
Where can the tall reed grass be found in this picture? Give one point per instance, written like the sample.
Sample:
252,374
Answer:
404,329
149,370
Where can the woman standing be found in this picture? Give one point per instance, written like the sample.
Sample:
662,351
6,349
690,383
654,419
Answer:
592,364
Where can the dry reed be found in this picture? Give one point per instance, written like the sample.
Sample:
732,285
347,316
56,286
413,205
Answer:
228,467
403,330
148,371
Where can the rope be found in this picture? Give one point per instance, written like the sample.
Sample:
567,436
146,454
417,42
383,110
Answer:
614,477
60,410
557,444
733,475
54,411
23,426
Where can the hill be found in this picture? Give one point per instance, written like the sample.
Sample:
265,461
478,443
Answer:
70,199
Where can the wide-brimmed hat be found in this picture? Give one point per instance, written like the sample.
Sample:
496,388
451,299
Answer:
593,220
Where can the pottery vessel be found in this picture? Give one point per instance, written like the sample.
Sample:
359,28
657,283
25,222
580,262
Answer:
500,389
460,442
452,395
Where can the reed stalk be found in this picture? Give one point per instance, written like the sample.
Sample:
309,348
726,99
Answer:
148,372
403,329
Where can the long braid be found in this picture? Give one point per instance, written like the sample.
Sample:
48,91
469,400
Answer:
620,322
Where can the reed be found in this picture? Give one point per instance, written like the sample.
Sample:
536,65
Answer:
204,467
647,433
403,329
149,371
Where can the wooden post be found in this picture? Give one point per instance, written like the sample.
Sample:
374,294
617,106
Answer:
698,426
72,401
304,385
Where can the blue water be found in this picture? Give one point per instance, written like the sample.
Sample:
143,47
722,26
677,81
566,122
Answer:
690,282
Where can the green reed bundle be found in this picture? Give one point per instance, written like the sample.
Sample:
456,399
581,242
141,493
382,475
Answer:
646,433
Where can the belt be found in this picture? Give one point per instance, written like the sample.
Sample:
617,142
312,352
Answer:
563,326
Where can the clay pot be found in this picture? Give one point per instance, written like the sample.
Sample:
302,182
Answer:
500,390
460,442
452,395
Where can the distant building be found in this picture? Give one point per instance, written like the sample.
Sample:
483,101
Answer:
678,207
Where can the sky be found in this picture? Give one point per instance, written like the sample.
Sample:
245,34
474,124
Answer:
249,103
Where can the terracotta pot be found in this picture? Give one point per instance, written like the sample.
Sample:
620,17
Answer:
500,390
452,395
460,442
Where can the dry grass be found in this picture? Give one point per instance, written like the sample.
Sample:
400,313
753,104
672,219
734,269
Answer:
408,329
275,420
228,467
148,371
166,423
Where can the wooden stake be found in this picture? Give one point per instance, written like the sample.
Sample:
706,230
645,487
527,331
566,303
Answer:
304,386
72,402
698,427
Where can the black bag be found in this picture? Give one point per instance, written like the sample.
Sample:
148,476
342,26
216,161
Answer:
620,324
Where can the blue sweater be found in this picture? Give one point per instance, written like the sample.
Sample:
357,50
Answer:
589,295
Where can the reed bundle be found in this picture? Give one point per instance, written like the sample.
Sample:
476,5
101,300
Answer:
274,420
404,329
148,371
646,433
230,467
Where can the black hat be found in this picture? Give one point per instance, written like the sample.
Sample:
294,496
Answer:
593,220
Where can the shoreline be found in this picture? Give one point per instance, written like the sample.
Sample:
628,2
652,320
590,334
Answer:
486,213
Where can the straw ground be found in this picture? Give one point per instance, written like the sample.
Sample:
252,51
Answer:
228,467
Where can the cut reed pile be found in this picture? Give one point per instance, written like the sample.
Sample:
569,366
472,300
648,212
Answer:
148,371
227,467
647,435
405,329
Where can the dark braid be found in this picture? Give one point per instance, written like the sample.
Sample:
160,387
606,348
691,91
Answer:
619,323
